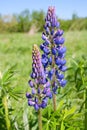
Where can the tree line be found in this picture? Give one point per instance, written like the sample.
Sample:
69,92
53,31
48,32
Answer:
24,21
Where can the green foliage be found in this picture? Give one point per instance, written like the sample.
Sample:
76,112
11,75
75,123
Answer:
69,114
38,19
79,67
71,100
62,118
24,21
74,24
7,91
79,24
79,75
65,24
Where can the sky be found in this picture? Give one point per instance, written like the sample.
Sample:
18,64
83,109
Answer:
64,8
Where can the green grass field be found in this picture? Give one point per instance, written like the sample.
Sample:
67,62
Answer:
16,49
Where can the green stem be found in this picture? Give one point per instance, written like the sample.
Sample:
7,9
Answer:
40,119
54,102
86,109
53,80
53,67
5,104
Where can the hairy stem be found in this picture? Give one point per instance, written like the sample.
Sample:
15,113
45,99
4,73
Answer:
5,104
53,80
40,119
54,102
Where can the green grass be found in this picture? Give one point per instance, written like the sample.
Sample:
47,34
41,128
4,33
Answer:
16,48
76,43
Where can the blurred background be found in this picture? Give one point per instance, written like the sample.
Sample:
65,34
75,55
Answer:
17,16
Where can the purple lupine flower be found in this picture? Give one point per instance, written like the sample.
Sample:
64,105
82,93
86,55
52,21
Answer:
53,50
40,86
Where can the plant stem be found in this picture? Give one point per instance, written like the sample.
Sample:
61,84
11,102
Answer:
53,67
53,80
86,109
5,104
54,102
40,119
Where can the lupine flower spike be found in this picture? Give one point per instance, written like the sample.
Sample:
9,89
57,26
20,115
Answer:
53,52
40,86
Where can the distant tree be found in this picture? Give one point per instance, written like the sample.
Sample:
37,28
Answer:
74,16
23,20
65,24
1,23
38,19
13,25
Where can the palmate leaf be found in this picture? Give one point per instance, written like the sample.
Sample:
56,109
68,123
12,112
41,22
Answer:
62,118
7,80
69,112
50,118
8,83
8,75
60,105
16,92
79,72
75,117
8,89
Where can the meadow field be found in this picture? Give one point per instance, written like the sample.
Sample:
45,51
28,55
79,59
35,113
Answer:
16,50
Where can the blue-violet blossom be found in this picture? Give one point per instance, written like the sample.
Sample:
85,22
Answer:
53,50
40,86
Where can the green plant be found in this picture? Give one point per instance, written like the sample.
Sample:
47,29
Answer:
79,79
7,91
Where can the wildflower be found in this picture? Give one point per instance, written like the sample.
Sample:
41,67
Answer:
40,86
53,50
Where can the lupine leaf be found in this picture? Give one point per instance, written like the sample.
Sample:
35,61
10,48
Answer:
69,112
62,126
